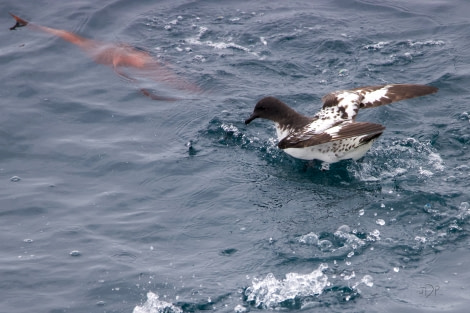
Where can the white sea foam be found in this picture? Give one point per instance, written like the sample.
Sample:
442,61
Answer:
197,41
154,305
464,210
230,128
401,157
374,235
382,44
412,43
271,292
309,239
420,239
377,46
351,239
367,280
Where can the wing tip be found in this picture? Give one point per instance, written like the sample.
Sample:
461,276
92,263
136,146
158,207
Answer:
19,21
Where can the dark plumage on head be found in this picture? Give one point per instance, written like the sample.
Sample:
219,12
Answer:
273,109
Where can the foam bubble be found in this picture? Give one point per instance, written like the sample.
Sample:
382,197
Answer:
350,238
309,239
374,235
270,292
153,305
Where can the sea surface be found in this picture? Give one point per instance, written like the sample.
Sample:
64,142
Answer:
113,202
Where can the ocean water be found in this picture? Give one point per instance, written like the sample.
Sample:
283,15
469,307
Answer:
113,202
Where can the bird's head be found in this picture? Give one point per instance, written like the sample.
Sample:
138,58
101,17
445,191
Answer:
269,108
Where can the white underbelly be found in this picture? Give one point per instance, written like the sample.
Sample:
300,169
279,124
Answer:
326,153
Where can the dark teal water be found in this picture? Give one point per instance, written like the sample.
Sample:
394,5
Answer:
112,202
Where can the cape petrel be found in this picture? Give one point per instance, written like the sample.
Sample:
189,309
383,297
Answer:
333,134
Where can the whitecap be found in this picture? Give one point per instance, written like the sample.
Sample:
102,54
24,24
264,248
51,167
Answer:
426,43
377,46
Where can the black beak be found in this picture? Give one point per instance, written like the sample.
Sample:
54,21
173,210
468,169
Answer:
252,117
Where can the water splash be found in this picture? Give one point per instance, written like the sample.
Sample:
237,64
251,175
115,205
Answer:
271,292
153,305
406,157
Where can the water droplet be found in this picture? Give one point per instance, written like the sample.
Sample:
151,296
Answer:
15,179
380,221
427,207
239,309
344,229
367,280
75,253
343,72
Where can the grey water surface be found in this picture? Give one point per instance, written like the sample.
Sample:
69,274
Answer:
113,202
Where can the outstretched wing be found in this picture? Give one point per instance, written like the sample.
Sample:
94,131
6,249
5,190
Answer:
335,121
335,133
374,96
344,105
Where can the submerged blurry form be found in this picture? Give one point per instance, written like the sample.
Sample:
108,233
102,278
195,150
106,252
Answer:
120,57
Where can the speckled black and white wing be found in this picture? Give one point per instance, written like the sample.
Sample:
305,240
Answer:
345,104
343,131
374,96
336,119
